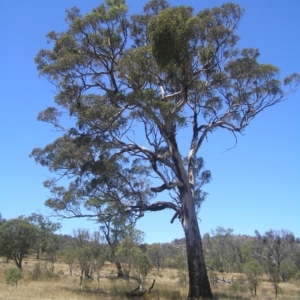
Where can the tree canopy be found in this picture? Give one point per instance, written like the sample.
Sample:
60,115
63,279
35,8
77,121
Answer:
132,86
17,236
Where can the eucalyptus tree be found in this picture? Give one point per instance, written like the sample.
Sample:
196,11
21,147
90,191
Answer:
45,231
87,255
17,237
133,86
272,248
254,271
115,228
219,250
223,250
157,255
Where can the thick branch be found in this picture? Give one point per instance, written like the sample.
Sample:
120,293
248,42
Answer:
167,186
157,206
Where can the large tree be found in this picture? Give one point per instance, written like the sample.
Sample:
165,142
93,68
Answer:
133,86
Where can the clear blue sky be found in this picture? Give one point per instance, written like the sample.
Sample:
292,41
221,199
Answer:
256,185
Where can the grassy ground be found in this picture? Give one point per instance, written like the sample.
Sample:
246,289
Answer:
169,286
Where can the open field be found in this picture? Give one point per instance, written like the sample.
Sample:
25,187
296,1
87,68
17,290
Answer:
169,285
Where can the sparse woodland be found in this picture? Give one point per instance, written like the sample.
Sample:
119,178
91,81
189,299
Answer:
128,88
84,266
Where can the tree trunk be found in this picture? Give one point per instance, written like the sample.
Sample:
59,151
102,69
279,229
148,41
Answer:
38,254
19,264
199,286
276,290
119,269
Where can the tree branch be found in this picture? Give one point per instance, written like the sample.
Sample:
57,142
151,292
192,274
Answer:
166,186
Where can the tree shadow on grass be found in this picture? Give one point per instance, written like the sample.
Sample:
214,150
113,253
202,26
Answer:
87,291
223,295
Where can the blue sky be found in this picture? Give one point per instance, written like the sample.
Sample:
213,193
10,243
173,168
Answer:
256,185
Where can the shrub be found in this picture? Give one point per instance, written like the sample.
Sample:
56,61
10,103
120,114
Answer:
40,272
236,288
13,275
36,273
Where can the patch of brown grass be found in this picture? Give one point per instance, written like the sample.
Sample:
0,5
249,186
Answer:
167,287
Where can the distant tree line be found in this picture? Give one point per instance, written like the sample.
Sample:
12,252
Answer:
274,253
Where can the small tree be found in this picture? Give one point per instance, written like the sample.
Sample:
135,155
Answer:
13,276
69,257
272,248
157,255
274,277
87,254
51,249
115,229
128,254
17,236
254,271
45,230
89,261
144,266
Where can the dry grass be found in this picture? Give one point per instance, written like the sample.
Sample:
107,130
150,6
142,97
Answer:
169,286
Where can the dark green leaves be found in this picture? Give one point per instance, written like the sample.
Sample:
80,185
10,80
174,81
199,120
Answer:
170,34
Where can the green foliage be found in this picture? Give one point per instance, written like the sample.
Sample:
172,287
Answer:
44,234
224,250
254,271
180,66
42,271
288,268
237,290
145,265
135,262
69,257
157,255
171,33
129,99
234,287
87,255
36,272
17,236
13,276
273,247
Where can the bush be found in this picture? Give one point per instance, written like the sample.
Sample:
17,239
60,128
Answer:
289,269
36,273
13,275
40,272
236,287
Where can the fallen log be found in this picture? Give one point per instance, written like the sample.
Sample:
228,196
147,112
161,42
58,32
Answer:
138,292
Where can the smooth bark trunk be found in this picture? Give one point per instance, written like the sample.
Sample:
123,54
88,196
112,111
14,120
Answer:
199,286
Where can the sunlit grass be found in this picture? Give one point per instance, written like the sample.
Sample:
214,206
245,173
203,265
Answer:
168,286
